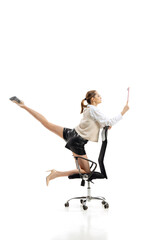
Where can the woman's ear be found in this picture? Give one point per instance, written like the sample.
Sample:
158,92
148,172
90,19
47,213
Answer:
92,99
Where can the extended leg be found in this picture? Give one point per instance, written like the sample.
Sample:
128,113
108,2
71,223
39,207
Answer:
50,126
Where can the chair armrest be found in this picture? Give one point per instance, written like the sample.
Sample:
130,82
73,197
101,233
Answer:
87,175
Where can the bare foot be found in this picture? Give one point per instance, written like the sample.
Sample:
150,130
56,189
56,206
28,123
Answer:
51,176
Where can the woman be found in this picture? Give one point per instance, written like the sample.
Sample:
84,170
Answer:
76,138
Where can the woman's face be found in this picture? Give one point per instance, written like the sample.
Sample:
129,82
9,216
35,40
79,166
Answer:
96,99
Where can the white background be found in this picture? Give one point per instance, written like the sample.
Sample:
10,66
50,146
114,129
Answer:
52,53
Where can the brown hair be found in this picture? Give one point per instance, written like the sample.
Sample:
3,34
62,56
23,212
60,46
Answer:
88,97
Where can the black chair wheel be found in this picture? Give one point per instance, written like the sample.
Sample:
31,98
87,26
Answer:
103,202
106,205
81,201
66,204
85,207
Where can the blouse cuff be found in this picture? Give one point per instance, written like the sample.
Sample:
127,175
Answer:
119,117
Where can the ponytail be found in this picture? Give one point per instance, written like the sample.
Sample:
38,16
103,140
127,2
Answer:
88,97
83,105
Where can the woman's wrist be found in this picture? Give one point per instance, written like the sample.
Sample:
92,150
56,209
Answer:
125,109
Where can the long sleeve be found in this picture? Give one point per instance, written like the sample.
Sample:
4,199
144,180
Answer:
102,119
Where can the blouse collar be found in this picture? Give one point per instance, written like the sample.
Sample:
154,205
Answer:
90,105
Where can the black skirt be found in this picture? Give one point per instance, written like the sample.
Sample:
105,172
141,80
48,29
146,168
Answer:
75,142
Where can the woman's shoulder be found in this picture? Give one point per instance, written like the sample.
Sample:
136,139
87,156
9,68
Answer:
92,108
89,109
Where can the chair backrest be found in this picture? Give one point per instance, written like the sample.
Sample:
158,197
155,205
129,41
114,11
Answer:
102,153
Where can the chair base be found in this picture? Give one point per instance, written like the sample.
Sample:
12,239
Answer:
88,198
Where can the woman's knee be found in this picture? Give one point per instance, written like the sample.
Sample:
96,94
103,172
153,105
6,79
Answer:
83,164
82,170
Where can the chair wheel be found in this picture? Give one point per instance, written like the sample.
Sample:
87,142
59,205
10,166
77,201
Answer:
103,202
66,204
81,201
85,207
106,205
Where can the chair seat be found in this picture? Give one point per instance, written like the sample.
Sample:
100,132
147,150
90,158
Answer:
95,175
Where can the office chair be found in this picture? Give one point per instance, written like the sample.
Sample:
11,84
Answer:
92,175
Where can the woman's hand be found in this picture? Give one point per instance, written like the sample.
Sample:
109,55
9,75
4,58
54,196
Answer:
125,109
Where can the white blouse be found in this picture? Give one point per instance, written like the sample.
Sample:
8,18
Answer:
92,121
103,121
